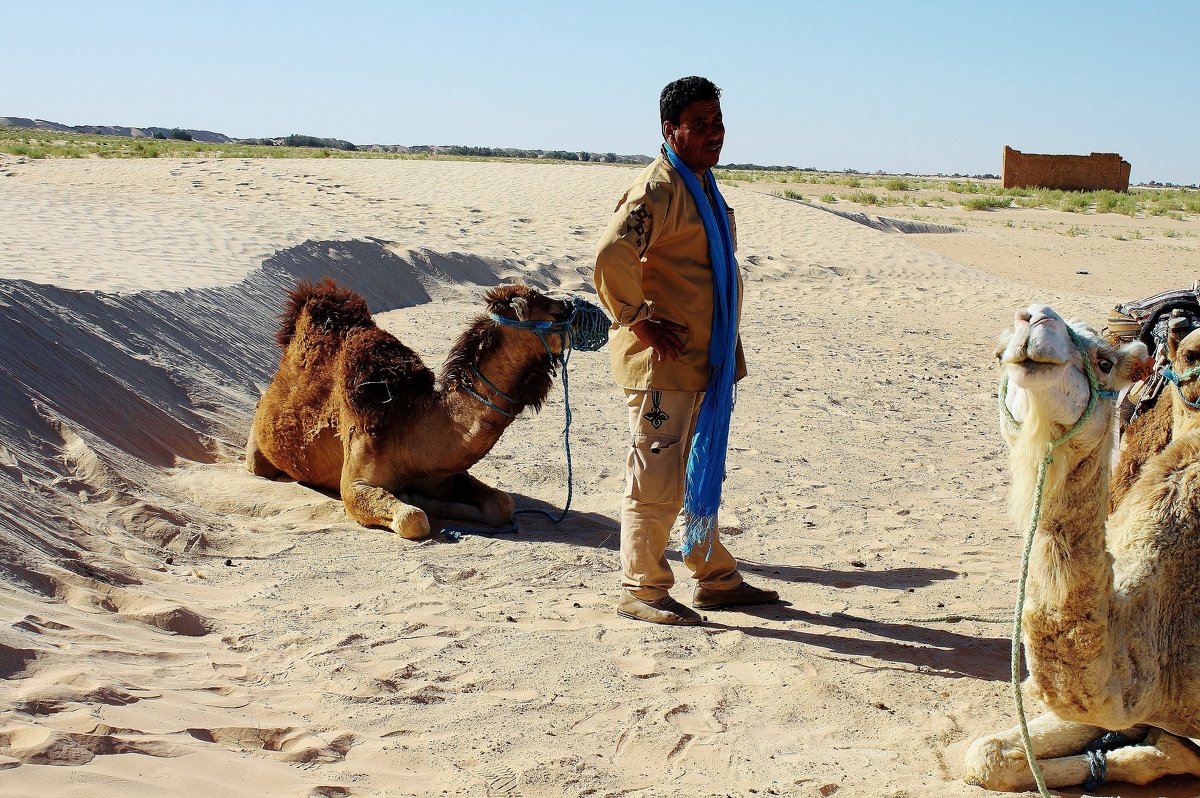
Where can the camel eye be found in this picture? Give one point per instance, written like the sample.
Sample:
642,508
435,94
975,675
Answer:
1105,364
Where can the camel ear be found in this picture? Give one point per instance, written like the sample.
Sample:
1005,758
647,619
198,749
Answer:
520,306
1135,356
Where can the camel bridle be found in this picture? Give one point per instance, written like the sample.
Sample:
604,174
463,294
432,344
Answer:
585,327
1177,380
1095,393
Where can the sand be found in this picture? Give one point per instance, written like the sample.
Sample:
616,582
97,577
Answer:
174,626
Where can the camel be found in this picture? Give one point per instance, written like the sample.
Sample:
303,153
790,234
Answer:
1149,431
1112,614
354,410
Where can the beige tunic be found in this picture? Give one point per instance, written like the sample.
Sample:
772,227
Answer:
653,262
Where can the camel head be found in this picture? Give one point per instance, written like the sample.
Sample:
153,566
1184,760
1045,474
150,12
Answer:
1046,362
1183,355
522,304
1052,372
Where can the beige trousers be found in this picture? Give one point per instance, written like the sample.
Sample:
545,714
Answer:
661,425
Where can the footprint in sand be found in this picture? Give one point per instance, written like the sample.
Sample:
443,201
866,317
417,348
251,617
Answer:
500,782
641,666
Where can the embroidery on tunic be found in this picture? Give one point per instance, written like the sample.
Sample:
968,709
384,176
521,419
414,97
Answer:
638,224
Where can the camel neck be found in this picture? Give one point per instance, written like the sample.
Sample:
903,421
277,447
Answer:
1069,593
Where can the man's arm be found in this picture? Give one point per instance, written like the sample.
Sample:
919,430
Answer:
633,229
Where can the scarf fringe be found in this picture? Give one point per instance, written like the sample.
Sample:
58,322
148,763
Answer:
698,530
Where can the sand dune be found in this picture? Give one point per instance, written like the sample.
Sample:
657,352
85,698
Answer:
177,627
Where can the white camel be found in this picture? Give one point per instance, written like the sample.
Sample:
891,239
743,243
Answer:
1112,613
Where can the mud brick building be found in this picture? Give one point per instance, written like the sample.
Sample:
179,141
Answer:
1100,170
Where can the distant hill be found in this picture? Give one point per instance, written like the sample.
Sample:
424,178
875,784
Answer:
113,130
298,140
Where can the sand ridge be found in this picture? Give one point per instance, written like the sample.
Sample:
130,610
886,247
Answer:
176,626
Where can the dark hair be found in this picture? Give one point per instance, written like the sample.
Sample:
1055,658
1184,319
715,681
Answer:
679,94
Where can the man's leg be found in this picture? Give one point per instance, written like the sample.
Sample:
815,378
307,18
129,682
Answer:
712,566
659,427
715,569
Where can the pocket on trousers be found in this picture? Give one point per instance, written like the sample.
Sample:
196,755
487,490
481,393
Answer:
655,469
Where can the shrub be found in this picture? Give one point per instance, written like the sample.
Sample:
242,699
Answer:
179,134
986,203
862,198
897,184
1116,202
1074,202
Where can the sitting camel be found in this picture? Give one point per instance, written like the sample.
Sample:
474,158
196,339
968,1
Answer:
353,409
1149,430
1112,613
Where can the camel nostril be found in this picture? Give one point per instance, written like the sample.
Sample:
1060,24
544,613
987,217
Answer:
1023,315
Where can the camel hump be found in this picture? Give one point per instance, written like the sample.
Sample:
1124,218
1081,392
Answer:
329,306
385,382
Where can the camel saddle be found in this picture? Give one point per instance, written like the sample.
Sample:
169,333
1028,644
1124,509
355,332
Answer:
1146,320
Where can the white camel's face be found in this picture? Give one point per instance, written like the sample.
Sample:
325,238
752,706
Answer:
1045,368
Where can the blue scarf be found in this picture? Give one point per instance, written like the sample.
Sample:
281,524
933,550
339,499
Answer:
706,463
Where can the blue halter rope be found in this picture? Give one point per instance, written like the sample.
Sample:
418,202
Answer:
479,376
1177,380
585,328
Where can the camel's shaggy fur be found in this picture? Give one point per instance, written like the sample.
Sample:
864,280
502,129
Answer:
1112,615
1144,437
353,409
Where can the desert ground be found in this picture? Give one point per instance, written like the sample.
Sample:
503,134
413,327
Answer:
174,626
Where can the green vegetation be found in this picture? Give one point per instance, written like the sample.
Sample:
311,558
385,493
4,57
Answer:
33,143
862,198
979,194
986,203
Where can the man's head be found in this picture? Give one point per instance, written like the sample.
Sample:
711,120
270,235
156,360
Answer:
690,110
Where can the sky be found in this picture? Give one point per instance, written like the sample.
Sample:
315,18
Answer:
901,86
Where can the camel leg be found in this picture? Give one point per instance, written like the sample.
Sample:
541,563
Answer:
997,761
1163,754
371,505
464,498
257,462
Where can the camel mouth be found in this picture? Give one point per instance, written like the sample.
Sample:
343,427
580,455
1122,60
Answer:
1031,361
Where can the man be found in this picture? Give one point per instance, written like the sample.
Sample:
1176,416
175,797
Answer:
666,273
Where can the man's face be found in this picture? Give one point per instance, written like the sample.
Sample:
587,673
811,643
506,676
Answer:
699,136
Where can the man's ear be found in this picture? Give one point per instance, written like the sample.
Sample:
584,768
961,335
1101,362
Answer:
667,129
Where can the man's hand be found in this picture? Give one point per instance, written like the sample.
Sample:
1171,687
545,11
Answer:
664,337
